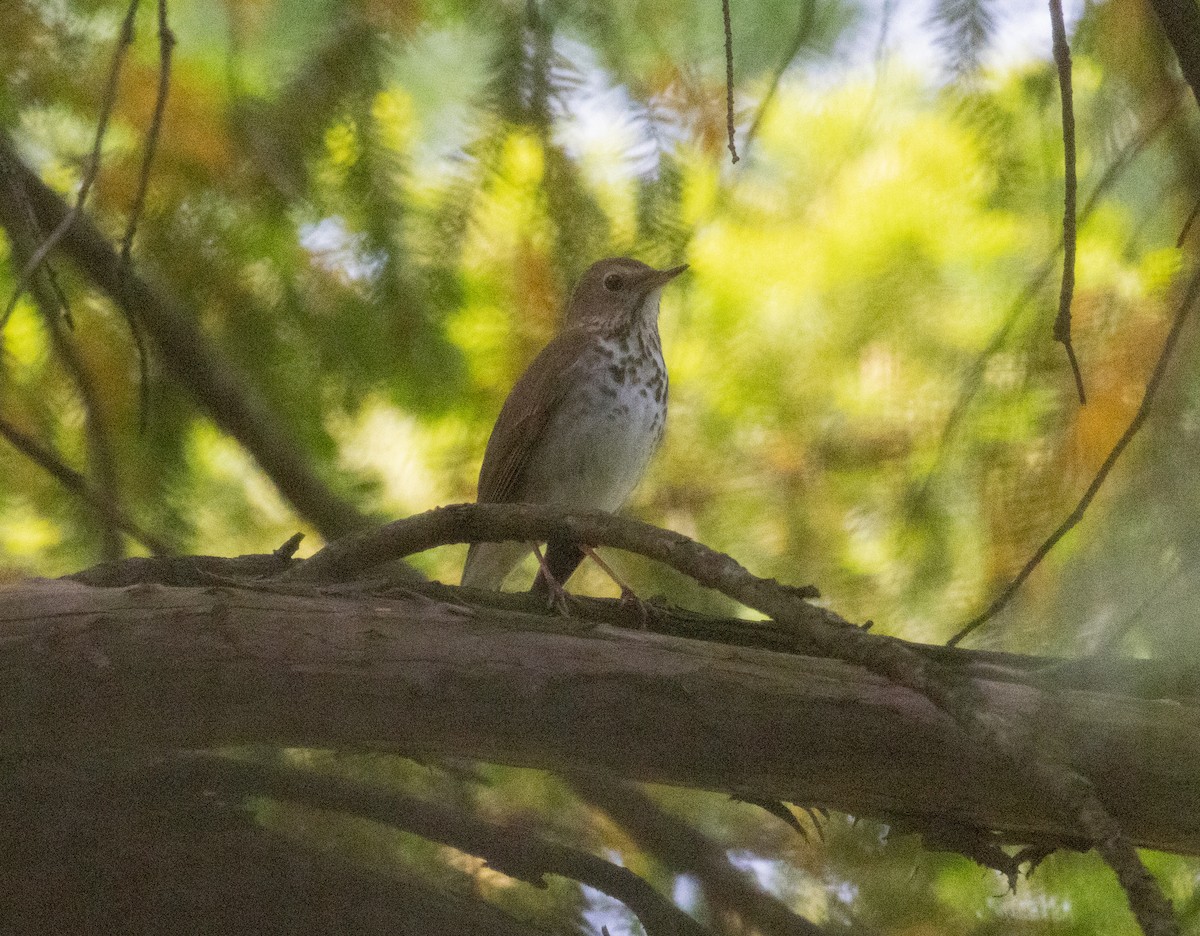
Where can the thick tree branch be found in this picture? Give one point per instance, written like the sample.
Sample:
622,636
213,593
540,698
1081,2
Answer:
167,668
1014,741
90,848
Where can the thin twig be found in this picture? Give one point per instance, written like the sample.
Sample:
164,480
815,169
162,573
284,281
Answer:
1062,324
729,79
78,485
166,44
972,380
124,41
1152,385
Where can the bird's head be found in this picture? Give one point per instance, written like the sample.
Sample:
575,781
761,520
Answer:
618,291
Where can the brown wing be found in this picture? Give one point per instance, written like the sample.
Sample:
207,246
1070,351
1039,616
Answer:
525,415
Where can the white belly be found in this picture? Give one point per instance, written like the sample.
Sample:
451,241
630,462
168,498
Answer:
596,449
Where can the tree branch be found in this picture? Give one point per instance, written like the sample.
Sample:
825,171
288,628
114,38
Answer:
155,667
1180,21
189,357
685,849
828,635
510,850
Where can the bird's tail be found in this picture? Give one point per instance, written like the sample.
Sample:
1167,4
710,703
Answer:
488,564
562,559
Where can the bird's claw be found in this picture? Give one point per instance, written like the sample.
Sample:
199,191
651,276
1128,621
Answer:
630,600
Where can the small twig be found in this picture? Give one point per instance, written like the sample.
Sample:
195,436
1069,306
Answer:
1152,385
287,551
1062,324
78,485
124,41
973,379
729,79
166,44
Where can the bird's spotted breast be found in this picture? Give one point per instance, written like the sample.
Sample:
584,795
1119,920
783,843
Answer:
597,447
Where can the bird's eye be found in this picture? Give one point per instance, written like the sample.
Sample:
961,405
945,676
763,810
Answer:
613,282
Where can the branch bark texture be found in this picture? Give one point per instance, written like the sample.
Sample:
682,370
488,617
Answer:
164,667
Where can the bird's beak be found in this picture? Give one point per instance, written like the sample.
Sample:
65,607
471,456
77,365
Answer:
665,276
657,279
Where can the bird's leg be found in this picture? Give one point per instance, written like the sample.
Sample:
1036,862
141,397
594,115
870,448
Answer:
629,598
556,594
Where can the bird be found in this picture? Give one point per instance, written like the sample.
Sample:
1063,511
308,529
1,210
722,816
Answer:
580,426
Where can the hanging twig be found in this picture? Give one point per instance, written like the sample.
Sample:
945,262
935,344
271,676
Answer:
511,849
1152,385
729,79
91,170
973,379
166,43
1062,324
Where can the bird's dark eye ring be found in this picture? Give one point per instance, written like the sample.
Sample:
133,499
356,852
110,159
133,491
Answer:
613,282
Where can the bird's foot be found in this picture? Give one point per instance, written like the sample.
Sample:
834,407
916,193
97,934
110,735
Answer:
556,596
629,598
630,601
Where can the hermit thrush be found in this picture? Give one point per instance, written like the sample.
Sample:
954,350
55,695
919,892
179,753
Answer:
581,424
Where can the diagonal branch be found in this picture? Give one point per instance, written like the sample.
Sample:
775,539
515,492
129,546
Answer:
48,300
1152,385
191,359
1180,21
686,849
78,485
509,849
